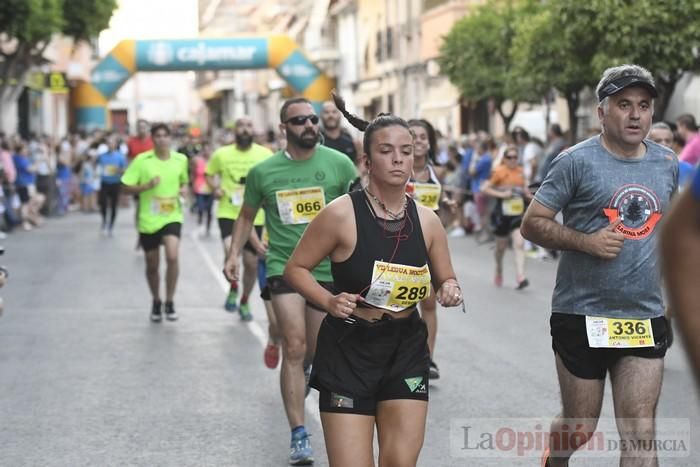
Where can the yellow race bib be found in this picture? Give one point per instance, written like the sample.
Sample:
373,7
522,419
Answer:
427,194
619,333
163,206
513,206
301,205
396,287
111,170
237,196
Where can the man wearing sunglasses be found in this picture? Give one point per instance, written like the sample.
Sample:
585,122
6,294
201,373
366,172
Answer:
292,187
607,306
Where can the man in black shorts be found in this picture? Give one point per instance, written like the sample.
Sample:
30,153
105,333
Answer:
159,177
226,172
607,307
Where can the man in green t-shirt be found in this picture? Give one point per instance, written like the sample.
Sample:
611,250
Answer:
159,177
226,172
292,186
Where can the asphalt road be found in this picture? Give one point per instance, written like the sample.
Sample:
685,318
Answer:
87,380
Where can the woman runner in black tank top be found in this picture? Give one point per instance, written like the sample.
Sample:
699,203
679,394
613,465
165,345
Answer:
372,356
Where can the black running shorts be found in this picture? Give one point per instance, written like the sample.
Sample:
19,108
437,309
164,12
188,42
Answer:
226,229
278,286
23,193
362,363
152,241
570,342
504,225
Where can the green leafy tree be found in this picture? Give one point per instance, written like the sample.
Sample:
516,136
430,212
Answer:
555,49
26,29
475,55
660,35
567,44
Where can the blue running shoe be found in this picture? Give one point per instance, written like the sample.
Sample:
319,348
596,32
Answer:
231,304
301,452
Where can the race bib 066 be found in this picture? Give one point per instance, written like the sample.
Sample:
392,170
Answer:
300,206
396,287
161,206
619,333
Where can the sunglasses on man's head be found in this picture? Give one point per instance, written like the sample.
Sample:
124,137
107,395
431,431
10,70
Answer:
300,120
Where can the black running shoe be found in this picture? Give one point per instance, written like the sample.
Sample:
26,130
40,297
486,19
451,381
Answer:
434,372
156,313
522,284
170,313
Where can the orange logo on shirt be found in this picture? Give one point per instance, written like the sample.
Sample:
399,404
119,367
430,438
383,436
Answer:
638,208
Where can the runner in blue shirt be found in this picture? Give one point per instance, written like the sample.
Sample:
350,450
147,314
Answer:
110,166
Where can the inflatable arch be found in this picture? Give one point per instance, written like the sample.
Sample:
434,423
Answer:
129,56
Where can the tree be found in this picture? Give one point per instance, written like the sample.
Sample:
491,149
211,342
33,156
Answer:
27,27
634,211
660,35
556,47
567,44
475,55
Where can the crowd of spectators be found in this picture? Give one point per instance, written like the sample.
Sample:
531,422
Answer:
42,176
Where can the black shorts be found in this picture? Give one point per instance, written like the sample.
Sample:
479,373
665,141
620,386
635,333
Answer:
276,285
570,342
226,229
23,193
109,189
504,225
152,241
265,293
360,364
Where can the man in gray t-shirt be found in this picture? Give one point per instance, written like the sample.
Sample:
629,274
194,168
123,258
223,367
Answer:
607,308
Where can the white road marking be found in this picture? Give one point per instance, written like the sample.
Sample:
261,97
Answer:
254,328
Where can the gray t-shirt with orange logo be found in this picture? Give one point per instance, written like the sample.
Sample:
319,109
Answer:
593,188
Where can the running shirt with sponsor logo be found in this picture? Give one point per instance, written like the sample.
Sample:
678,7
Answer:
233,165
593,188
292,193
160,205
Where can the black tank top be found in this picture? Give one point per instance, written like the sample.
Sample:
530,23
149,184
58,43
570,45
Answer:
398,285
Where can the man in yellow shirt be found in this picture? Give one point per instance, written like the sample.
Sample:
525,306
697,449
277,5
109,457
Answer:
160,178
226,173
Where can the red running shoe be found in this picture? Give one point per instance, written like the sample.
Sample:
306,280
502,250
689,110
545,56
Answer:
271,356
498,280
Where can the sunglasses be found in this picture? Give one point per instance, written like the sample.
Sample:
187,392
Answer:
510,157
300,120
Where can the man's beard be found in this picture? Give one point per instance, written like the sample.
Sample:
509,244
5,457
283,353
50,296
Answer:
307,140
244,140
331,124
